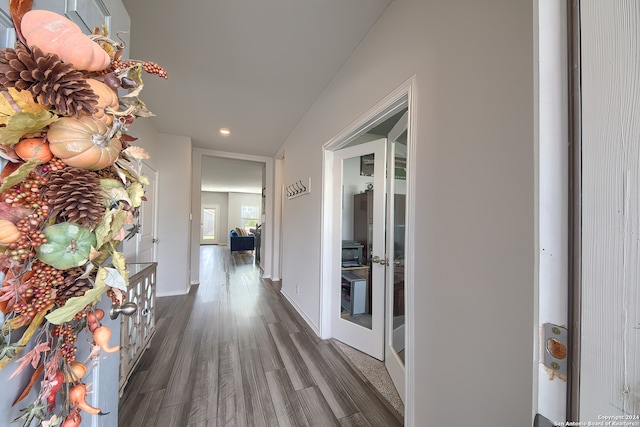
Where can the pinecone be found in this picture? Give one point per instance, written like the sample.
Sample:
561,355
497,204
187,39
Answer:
109,172
75,195
50,81
72,286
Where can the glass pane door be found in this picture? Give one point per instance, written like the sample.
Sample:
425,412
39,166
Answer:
209,228
359,279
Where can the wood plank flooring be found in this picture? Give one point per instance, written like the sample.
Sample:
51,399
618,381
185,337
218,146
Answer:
235,353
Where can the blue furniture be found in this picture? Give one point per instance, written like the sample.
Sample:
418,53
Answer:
241,243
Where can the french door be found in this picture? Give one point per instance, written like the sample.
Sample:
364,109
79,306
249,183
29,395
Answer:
395,335
358,293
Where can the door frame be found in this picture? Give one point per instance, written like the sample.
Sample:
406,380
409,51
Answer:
403,96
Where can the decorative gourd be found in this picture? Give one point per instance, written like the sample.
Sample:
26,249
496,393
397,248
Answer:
33,149
68,245
107,98
9,233
83,142
54,33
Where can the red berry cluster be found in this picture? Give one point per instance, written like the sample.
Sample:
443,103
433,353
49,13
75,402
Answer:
114,298
148,66
27,194
40,292
66,341
55,164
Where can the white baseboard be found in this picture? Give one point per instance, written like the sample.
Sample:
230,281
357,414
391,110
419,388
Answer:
170,294
312,325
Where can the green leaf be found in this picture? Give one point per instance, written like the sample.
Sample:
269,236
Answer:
115,195
76,304
18,175
114,279
136,192
119,262
108,183
22,123
110,226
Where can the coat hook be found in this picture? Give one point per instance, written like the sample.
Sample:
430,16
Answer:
303,187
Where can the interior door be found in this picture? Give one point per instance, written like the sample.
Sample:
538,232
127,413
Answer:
395,335
147,240
610,204
357,314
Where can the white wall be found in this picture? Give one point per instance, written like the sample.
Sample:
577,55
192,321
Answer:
474,275
174,209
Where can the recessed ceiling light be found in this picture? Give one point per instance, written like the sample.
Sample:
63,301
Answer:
224,131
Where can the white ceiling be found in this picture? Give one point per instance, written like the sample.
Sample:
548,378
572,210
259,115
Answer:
252,66
231,175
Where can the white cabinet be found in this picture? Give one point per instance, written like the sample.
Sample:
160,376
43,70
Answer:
137,330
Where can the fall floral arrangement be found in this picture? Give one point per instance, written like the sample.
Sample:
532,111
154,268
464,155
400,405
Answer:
68,187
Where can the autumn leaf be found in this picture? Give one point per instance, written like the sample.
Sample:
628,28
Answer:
22,123
32,357
18,8
136,193
27,389
110,226
28,333
136,152
119,262
76,304
25,101
112,277
18,175
6,108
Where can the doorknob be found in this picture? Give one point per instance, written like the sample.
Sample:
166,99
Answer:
128,309
380,261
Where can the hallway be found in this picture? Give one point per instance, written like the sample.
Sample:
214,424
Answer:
234,353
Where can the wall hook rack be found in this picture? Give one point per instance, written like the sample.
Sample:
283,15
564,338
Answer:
298,189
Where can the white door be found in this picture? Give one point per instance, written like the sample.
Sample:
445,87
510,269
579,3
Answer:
357,313
209,225
610,224
147,220
395,335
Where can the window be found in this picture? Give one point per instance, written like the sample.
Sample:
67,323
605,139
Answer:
249,216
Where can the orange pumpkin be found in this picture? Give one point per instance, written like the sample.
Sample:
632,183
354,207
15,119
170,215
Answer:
107,98
54,33
83,143
9,233
33,149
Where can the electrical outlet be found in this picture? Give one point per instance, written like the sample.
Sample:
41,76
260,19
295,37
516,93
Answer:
297,289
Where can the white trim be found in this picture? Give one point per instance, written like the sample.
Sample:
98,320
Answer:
301,312
382,110
551,196
271,244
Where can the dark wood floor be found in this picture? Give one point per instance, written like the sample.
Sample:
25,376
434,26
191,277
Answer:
234,353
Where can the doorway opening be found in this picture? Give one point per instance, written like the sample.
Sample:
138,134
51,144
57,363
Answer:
367,279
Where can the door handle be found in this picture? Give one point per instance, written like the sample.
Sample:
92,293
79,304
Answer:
128,309
380,261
